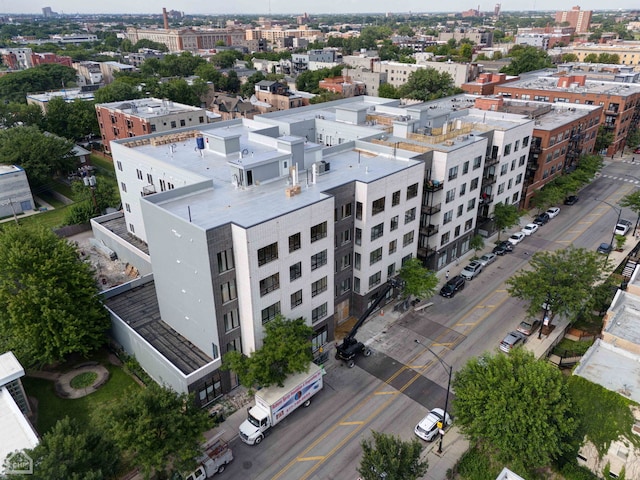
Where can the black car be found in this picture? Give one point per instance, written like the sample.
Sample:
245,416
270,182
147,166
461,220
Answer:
605,248
571,199
452,286
542,219
503,247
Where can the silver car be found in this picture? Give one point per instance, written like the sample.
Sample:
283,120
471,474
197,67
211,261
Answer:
487,258
472,270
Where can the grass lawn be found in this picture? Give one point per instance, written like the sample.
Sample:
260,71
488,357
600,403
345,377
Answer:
51,408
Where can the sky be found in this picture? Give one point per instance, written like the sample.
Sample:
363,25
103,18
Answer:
263,7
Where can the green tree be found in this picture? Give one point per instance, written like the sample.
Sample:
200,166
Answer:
14,114
48,298
604,138
428,84
116,92
526,59
157,427
325,96
50,76
633,138
632,201
73,120
477,243
564,279
569,57
417,280
90,202
591,58
286,349
505,216
72,452
387,90
514,408
550,194
40,155
391,458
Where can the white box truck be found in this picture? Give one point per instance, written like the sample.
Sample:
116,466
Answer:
273,404
217,455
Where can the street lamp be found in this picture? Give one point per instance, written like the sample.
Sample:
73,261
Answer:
613,234
446,400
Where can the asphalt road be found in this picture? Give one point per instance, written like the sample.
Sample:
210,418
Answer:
394,388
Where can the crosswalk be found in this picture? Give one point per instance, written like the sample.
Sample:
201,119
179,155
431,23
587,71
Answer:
622,179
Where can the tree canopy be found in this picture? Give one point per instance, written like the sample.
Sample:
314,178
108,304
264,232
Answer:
563,279
157,427
40,155
418,280
42,78
70,452
73,120
286,349
505,216
308,81
428,84
526,59
391,458
604,138
48,298
515,408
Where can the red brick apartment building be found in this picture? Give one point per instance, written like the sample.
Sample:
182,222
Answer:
486,83
561,133
620,102
131,118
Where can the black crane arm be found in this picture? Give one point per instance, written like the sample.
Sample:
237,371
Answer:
391,283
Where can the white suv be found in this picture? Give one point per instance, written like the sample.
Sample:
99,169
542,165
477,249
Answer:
622,228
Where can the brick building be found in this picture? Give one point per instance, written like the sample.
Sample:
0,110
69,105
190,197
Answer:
120,120
343,85
621,102
576,18
486,82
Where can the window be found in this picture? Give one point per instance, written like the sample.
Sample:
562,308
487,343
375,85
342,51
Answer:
501,188
378,206
318,260
468,224
471,204
395,198
127,207
375,256
231,320
510,183
173,124
516,146
294,242
318,231
453,172
358,236
359,210
183,122
343,287
163,185
356,284
234,345
513,164
474,184
375,279
150,178
503,169
270,312
119,164
477,162
460,209
450,196
356,260
295,271
463,189
296,299
507,149
346,210
318,286
412,191
515,197
456,232
228,291
267,254
391,269
319,312
522,160
394,223
465,167
123,187
132,228
345,237
407,239
225,261
139,173
269,284
393,245
377,231
409,215
444,239
518,178
345,262
448,216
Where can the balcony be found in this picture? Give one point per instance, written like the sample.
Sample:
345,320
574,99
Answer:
536,148
429,230
425,252
434,185
485,199
611,112
148,190
490,161
431,209
488,180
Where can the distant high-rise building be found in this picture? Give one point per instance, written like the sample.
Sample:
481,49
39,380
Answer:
47,12
496,10
576,18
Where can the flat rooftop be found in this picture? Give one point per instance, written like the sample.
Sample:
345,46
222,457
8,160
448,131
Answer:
68,94
550,84
149,107
624,322
139,308
119,227
17,432
10,368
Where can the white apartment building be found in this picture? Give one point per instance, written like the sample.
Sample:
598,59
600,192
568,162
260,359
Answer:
305,213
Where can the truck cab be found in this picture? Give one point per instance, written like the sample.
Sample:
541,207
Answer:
253,428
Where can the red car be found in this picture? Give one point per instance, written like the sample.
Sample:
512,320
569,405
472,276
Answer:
637,150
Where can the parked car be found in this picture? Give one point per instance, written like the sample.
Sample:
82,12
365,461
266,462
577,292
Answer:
503,247
487,258
530,229
623,227
453,286
472,270
512,340
637,150
542,219
552,211
571,200
516,238
528,326
605,248
427,429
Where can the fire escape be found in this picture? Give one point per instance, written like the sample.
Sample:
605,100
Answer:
429,226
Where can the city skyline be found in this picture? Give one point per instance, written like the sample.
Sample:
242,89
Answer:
282,7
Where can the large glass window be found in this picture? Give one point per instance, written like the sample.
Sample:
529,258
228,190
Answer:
270,312
269,284
231,320
296,299
225,261
319,313
318,231
377,231
375,256
295,242
412,191
378,206
228,291
318,286
268,254
295,271
318,260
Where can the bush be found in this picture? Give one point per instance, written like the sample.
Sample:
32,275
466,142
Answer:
572,471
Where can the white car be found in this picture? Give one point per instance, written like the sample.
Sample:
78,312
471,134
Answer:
428,429
529,229
516,238
552,212
622,228
487,258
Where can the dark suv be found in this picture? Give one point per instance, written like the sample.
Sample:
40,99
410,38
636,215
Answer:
503,247
541,219
452,286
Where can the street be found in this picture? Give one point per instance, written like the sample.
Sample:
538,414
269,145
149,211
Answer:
395,387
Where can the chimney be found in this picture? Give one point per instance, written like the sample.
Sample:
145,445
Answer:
166,18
